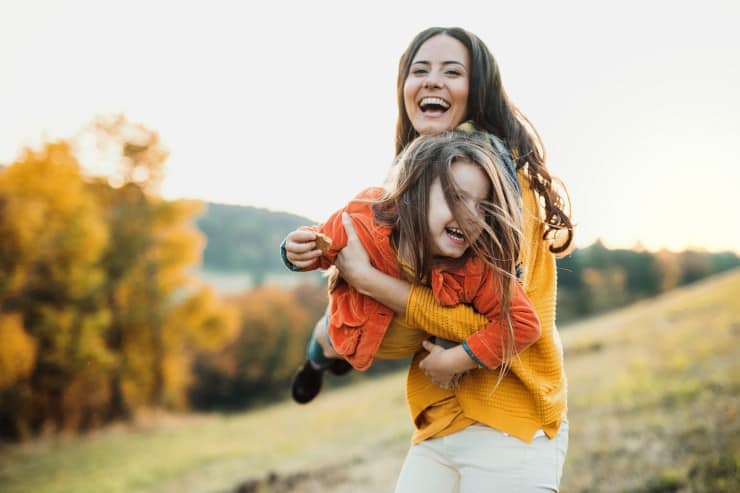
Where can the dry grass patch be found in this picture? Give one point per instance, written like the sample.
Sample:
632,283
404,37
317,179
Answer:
654,394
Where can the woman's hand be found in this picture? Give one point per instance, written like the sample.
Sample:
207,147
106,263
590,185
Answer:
353,261
354,265
300,248
444,367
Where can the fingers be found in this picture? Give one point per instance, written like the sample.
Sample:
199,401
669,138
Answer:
300,248
349,228
304,243
304,260
301,236
430,346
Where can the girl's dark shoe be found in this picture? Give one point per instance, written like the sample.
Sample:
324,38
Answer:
306,383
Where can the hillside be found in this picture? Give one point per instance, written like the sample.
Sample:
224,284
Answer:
243,239
654,393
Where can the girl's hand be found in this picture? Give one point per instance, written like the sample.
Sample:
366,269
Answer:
300,248
444,367
437,367
353,261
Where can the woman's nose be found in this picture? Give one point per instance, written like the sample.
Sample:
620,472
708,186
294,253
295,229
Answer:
432,80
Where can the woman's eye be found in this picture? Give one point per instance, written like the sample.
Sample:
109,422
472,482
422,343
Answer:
419,71
454,72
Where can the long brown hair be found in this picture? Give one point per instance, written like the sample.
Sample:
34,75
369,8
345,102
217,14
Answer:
490,109
497,234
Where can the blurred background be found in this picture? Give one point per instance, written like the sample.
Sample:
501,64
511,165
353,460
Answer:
154,154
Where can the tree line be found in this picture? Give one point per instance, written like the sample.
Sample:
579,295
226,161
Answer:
595,279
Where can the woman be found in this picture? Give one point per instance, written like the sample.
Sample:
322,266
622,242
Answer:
489,432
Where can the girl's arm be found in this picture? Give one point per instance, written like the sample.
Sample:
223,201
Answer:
443,366
487,346
299,250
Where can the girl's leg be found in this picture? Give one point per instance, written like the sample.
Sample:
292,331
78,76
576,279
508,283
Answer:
319,350
427,469
489,460
320,356
320,338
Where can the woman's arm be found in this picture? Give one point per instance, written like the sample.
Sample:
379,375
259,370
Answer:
481,334
354,265
416,303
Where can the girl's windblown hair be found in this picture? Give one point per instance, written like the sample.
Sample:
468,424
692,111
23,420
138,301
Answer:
494,236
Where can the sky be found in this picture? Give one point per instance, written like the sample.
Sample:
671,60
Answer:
291,106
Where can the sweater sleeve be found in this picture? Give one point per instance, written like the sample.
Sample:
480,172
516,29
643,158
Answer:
455,323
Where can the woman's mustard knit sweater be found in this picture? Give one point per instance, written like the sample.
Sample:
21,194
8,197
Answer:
531,395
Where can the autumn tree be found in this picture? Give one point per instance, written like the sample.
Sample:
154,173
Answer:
274,325
160,317
98,313
52,324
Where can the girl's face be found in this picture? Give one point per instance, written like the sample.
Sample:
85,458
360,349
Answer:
435,93
447,238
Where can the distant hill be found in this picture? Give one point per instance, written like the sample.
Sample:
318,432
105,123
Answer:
244,241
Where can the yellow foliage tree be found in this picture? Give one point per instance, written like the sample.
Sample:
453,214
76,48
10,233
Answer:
17,351
274,324
98,313
51,241
160,317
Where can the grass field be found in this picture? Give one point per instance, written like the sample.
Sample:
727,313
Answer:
654,394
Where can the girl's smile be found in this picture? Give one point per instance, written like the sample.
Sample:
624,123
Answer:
446,235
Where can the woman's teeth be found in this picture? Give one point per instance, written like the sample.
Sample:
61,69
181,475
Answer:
434,104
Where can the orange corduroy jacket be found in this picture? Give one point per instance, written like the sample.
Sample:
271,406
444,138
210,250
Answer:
357,323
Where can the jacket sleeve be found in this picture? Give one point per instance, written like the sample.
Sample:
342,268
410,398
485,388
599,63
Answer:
479,332
486,346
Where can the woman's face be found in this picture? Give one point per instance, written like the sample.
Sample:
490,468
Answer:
435,93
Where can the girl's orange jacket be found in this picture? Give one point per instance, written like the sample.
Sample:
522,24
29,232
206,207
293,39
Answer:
357,323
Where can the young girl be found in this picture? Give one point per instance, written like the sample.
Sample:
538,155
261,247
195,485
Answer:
450,220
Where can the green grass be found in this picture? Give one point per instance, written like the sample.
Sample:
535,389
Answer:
654,395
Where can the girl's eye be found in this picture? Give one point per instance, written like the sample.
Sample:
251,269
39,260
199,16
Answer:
453,72
419,71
